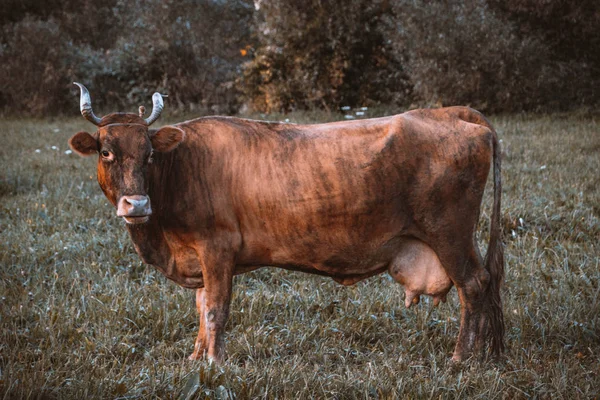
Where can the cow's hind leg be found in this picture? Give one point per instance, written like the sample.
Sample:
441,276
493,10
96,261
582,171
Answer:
200,346
465,268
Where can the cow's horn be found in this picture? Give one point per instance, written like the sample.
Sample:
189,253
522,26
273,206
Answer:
157,107
85,103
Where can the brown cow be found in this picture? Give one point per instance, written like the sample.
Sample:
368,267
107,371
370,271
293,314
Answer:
213,197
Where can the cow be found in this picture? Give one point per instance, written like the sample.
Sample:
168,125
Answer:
213,197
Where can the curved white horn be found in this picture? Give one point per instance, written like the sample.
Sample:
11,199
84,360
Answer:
157,107
85,104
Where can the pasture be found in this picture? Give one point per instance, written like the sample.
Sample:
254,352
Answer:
82,317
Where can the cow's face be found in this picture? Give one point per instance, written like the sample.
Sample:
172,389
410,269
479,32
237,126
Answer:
125,146
125,153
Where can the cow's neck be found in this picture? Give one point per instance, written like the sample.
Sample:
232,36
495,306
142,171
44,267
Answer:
150,243
168,191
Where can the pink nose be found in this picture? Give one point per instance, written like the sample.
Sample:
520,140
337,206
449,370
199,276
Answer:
134,206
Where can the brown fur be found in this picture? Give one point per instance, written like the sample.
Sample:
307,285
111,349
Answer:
336,199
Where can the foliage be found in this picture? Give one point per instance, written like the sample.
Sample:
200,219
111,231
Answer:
569,28
458,52
570,31
188,49
322,54
39,63
277,56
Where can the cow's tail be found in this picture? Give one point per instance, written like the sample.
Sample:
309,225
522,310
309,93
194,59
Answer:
494,260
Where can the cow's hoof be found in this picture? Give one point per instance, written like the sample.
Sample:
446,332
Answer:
460,360
196,355
212,360
456,359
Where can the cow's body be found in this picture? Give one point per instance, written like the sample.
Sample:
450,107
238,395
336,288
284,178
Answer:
346,200
334,199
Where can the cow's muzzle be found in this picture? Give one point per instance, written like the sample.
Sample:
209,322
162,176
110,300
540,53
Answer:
134,209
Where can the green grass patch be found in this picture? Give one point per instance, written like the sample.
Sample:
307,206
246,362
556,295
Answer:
82,317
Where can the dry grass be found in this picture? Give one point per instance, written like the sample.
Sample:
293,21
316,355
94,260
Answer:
82,317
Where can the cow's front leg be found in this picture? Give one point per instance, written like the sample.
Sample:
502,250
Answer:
216,312
218,275
200,346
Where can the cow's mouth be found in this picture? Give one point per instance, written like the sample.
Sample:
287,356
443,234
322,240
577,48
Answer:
137,220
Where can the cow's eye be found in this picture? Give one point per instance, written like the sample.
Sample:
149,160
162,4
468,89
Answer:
107,155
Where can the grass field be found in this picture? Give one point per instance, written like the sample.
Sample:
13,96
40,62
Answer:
82,317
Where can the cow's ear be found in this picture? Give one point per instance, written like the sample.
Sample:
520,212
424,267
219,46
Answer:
84,144
166,138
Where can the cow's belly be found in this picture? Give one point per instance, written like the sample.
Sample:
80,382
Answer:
335,252
409,261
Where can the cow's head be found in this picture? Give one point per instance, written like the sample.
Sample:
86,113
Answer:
125,147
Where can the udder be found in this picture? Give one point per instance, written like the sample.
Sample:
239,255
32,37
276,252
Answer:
419,270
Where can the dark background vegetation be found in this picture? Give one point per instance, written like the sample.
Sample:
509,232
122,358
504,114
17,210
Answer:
219,56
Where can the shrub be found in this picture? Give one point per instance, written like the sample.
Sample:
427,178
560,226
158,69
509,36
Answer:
458,52
35,68
188,49
570,30
315,54
278,55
